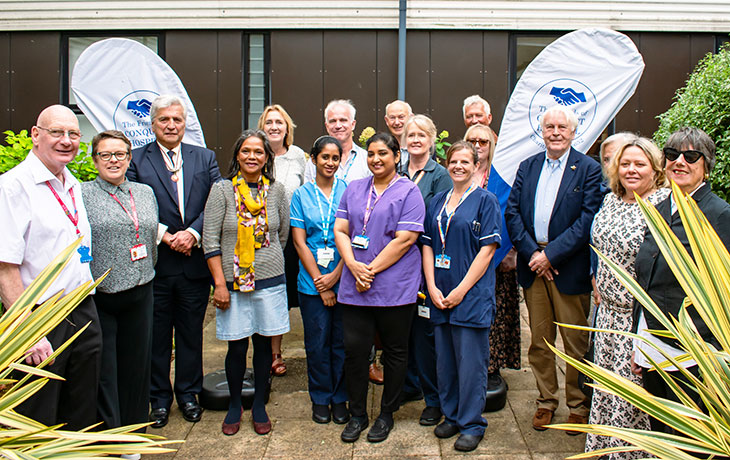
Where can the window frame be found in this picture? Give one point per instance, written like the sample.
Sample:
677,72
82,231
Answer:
246,80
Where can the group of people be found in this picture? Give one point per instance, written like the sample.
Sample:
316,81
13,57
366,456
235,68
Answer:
377,245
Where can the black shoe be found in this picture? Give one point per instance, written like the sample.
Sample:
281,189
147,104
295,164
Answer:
320,413
354,427
445,430
430,416
380,430
160,416
406,396
191,411
340,414
467,442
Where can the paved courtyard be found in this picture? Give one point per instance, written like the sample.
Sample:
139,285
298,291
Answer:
295,436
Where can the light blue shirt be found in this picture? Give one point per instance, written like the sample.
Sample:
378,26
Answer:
547,192
313,212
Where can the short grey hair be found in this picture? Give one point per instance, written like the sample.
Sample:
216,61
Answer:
164,101
687,137
476,99
623,137
569,115
344,102
398,101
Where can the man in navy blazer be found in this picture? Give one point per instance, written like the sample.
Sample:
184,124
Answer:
549,213
181,176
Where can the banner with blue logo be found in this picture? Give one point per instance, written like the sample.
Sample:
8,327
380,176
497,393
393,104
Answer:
592,71
115,82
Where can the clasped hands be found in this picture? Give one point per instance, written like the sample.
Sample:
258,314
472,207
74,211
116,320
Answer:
324,284
182,241
446,303
540,264
363,274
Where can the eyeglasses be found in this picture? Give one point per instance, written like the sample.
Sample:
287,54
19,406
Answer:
690,156
106,156
72,134
479,142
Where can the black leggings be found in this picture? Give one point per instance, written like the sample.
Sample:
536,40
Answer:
393,324
236,367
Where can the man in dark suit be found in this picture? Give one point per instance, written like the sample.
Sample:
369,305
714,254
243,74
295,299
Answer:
181,176
549,214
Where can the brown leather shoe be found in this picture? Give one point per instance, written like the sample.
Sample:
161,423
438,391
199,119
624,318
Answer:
376,374
576,420
541,418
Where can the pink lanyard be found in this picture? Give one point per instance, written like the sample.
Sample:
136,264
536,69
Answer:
368,208
133,214
73,218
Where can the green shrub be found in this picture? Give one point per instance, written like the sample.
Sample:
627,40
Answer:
18,146
704,103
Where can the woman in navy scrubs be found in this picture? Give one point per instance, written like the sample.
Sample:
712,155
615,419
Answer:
462,230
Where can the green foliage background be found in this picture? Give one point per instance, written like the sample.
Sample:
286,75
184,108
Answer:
704,103
18,146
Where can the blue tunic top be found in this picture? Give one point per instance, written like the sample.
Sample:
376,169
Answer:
477,222
313,212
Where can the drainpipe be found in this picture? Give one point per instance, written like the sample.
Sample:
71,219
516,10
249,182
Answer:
402,50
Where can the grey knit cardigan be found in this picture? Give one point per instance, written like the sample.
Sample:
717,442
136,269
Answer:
220,233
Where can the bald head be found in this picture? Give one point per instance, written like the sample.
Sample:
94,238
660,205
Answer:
56,112
56,138
396,115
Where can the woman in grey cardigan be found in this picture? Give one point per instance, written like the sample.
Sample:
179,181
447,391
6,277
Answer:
245,228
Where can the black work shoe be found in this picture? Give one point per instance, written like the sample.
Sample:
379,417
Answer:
380,430
192,411
430,416
160,416
445,430
467,442
340,414
354,427
320,413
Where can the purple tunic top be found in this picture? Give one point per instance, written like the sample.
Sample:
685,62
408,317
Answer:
399,208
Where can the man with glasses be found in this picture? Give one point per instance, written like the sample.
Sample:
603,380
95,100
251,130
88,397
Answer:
41,213
181,176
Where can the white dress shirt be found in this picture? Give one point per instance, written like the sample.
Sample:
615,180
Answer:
180,190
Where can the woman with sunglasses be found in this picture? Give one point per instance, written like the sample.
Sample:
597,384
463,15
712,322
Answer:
124,221
689,156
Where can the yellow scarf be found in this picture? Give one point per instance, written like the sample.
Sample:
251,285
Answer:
253,230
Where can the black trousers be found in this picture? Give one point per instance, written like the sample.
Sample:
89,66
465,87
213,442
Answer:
126,325
393,324
72,401
180,304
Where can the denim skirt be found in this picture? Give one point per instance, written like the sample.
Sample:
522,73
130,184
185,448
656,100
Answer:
262,312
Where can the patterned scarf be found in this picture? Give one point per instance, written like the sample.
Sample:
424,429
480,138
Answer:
253,230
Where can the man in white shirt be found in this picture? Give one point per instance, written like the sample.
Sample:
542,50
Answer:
339,120
41,213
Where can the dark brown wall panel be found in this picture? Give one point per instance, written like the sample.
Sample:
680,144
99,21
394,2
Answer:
192,55
34,77
350,72
387,66
456,73
628,117
495,80
296,81
418,71
4,82
230,100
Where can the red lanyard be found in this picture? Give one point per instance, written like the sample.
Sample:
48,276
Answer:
73,218
133,214
368,208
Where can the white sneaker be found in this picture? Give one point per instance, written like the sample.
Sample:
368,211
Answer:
131,456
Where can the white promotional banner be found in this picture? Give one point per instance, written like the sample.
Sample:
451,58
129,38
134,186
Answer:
115,82
591,71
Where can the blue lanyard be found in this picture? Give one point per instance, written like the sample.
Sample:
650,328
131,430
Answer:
350,162
331,201
450,215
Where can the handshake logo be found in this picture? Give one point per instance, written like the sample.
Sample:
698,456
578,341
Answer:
567,96
140,108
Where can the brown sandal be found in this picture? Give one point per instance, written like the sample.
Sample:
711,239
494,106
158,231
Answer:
278,366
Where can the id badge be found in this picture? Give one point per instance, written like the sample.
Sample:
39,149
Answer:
85,253
443,261
424,312
360,242
325,256
138,252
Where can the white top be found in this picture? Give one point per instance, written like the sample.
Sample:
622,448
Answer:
180,186
547,192
356,167
34,226
289,169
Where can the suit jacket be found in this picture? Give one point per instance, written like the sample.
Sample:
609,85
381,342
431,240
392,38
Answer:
579,197
200,172
653,272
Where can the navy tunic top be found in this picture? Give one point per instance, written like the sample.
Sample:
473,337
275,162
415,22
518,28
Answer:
477,222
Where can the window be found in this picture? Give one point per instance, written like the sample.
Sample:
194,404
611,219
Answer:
721,40
73,46
523,49
256,77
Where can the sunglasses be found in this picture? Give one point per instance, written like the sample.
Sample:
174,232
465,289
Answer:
690,156
479,142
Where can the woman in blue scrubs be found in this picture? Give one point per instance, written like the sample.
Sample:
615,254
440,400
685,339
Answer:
462,230
313,208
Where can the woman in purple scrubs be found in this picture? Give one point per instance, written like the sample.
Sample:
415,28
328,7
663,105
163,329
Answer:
378,221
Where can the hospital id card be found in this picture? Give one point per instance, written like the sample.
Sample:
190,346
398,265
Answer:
443,261
325,256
